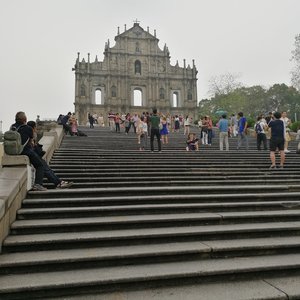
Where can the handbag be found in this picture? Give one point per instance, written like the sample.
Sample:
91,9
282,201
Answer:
287,137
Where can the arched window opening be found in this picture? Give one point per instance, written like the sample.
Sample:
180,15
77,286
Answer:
137,67
137,97
113,91
175,99
190,96
161,94
98,96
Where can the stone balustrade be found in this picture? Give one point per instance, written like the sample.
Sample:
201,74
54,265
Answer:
16,178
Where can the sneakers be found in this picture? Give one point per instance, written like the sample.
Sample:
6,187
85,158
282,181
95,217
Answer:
272,167
38,187
64,185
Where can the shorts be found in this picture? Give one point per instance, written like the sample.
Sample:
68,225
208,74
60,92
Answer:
276,143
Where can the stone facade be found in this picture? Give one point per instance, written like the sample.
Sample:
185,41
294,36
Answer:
135,76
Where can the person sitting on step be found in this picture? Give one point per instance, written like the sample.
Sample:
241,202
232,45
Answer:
41,167
192,143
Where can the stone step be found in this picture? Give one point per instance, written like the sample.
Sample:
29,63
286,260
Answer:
101,177
108,208
203,198
168,155
29,242
205,176
165,190
161,162
136,219
53,260
180,155
150,169
196,174
181,178
101,279
146,160
211,169
272,288
93,183
163,157
94,218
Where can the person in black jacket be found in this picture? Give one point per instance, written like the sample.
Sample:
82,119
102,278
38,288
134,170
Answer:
277,140
41,167
64,123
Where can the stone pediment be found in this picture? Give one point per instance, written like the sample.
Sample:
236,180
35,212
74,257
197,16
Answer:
136,32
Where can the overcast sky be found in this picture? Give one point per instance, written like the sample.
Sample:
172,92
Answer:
40,40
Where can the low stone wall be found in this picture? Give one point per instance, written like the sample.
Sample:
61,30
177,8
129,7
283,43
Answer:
13,189
51,141
15,178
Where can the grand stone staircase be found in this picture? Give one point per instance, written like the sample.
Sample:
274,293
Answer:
171,225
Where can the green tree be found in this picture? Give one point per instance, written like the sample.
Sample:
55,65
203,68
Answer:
280,97
254,101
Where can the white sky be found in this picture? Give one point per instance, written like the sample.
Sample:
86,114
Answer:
40,40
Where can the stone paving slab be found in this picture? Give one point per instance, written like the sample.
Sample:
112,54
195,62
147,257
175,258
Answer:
289,284
254,243
256,214
239,290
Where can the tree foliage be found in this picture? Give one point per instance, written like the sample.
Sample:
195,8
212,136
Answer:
296,58
223,84
254,101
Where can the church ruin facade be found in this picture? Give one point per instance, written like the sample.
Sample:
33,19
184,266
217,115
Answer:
134,76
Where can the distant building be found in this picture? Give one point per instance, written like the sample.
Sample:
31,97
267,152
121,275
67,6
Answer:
135,76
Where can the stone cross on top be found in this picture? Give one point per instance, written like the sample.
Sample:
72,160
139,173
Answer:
136,21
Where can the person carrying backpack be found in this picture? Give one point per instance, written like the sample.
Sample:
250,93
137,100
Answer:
41,167
261,137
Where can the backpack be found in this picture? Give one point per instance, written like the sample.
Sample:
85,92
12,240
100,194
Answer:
13,142
258,128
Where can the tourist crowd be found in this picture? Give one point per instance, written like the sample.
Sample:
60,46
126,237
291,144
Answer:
274,126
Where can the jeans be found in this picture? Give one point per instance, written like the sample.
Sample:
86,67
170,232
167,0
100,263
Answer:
209,136
144,140
67,129
242,138
49,174
36,161
41,168
261,138
155,132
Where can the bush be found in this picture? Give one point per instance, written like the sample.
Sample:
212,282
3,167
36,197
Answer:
295,126
250,122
